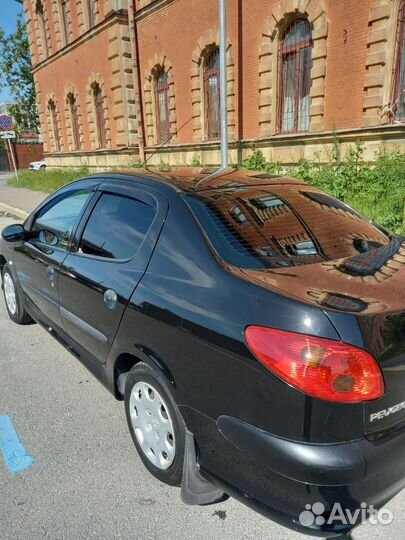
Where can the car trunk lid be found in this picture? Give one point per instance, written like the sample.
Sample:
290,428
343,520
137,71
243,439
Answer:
375,302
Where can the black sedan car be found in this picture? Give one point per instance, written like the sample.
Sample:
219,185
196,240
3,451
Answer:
253,325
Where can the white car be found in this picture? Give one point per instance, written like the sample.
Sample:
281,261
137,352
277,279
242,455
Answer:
37,165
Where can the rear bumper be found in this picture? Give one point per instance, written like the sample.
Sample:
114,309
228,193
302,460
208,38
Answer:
348,473
321,464
336,464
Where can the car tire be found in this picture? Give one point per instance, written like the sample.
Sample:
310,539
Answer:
42,167
155,423
14,299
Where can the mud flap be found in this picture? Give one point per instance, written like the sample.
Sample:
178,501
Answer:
195,489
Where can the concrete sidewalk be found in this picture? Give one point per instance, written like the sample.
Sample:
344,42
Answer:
18,198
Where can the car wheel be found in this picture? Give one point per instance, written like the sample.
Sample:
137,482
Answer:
42,167
13,297
155,423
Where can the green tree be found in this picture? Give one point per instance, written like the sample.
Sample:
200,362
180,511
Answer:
16,69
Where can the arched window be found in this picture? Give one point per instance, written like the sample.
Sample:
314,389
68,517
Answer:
211,95
74,118
54,124
91,10
100,119
398,98
65,20
162,106
39,9
295,60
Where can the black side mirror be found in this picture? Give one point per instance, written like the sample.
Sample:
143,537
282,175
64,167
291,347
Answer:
13,233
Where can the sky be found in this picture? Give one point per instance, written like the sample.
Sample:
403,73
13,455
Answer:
9,9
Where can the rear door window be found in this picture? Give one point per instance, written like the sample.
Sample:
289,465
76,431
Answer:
117,227
282,226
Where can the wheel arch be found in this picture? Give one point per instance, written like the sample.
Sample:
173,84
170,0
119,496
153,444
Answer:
126,361
3,262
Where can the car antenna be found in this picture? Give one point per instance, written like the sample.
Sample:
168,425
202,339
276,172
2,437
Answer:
145,163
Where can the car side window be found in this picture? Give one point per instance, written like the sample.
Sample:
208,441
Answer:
117,227
54,224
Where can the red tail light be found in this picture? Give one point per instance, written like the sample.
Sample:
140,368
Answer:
326,369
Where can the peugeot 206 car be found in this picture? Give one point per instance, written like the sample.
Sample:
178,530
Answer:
253,325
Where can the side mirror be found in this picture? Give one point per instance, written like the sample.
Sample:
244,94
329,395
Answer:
48,237
13,233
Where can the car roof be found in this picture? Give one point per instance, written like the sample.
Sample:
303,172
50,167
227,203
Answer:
189,179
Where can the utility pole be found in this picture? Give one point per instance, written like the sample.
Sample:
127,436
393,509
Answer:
223,84
13,159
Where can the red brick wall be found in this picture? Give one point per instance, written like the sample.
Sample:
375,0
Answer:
345,63
174,31
75,69
24,154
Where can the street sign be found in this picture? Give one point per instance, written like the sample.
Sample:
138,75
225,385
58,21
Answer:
6,122
7,134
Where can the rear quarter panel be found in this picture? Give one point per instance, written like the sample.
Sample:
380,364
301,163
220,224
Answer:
190,313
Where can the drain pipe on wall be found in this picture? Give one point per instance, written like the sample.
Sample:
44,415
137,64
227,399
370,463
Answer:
137,81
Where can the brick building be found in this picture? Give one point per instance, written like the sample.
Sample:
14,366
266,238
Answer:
117,78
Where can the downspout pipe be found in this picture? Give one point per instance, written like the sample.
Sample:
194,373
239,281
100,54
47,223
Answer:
137,79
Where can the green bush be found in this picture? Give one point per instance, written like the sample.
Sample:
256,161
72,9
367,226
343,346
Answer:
138,164
376,190
196,162
47,180
257,162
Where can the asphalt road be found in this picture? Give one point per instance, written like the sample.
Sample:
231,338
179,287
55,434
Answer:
87,481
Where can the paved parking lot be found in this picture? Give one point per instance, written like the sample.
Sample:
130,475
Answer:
87,481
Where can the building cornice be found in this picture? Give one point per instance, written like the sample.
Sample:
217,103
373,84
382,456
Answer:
99,152
387,132
151,8
114,17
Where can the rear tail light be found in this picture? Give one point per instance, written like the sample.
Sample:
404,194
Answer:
325,369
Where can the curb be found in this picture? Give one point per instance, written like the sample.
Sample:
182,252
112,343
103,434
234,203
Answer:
12,211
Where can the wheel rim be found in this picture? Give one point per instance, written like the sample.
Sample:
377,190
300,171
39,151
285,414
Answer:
152,424
9,293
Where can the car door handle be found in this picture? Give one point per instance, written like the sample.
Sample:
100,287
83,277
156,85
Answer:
50,273
110,299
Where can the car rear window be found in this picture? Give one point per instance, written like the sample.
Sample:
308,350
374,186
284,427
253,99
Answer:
283,226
